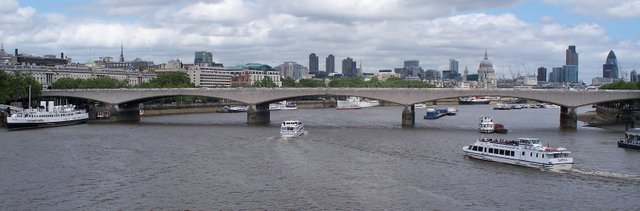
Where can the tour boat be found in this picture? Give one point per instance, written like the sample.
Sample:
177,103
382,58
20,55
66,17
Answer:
501,106
419,105
473,100
282,105
523,151
452,111
486,125
48,115
291,128
356,103
232,109
631,139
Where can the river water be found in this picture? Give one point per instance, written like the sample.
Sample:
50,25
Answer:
352,159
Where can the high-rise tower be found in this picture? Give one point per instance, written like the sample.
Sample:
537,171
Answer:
572,56
121,52
570,69
610,67
330,64
313,64
2,52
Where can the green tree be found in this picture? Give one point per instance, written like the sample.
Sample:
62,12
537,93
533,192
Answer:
169,80
289,82
621,85
266,82
5,86
347,82
15,87
310,82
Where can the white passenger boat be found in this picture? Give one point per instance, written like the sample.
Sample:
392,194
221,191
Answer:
486,124
452,111
48,115
523,151
282,105
631,139
473,100
419,105
291,128
348,104
356,103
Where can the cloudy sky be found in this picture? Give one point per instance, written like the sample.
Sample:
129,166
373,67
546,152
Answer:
380,34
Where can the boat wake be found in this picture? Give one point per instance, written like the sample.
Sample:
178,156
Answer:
605,174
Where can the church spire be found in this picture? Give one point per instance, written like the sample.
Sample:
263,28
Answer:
485,54
121,52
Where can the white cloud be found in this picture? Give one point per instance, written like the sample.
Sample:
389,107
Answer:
623,9
8,6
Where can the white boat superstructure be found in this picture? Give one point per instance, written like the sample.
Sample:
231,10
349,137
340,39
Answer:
486,124
48,116
282,105
291,128
523,151
356,103
419,105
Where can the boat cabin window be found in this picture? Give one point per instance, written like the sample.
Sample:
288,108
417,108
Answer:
513,153
490,150
475,148
480,149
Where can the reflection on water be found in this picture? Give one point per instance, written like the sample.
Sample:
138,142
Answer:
351,159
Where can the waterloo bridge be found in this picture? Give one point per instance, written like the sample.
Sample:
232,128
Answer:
126,100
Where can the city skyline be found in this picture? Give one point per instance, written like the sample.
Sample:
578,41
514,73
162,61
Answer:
520,35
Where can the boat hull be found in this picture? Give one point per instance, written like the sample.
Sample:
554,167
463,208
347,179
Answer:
553,167
479,102
624,145
21,126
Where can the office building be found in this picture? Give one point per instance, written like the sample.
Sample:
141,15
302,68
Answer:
610,67
330,64
349,68
313,64
542,74
292,70
453,65
203,58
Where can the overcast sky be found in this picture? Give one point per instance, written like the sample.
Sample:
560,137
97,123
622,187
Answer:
520,36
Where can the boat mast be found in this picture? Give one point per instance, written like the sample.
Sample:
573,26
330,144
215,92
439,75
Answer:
29,97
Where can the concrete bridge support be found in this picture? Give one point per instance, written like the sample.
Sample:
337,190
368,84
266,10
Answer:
408,116
125,113
258,114
568,117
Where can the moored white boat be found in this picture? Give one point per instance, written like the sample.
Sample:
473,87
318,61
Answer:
631,139
282,105
527,152
452,111
419,105
473,100
356,103
49,115
291,128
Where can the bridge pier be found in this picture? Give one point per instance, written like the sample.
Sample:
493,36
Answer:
568,117
408,116
125,113
258,114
